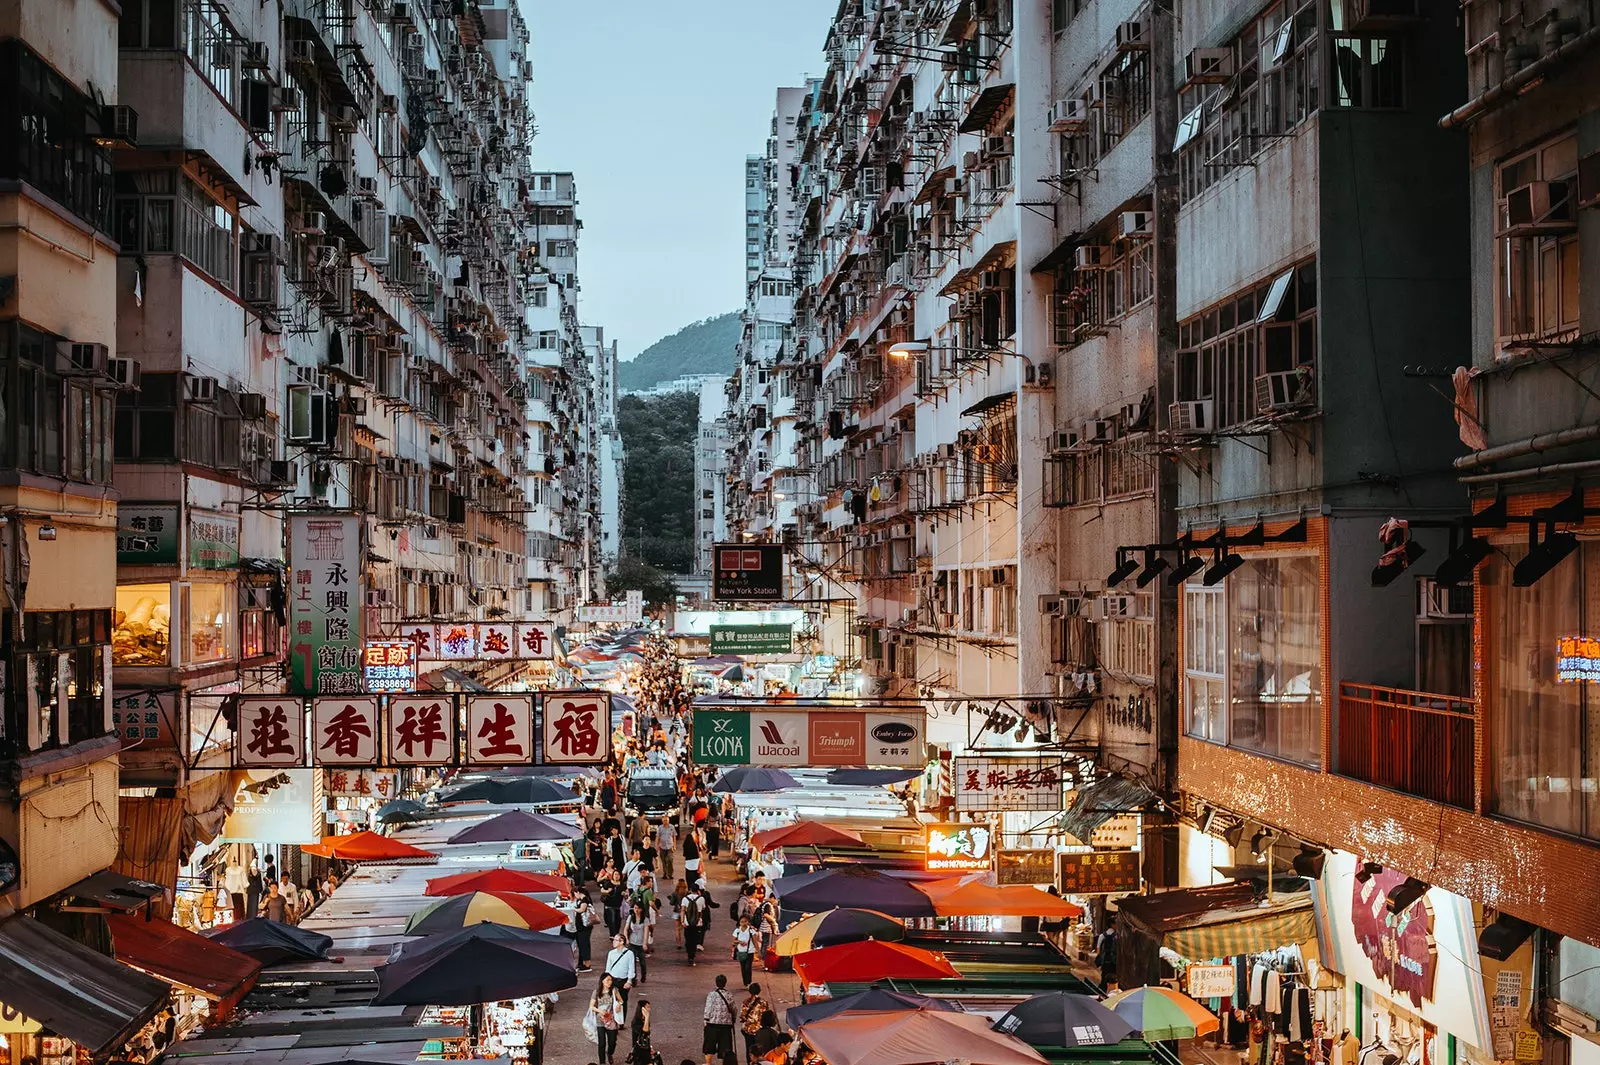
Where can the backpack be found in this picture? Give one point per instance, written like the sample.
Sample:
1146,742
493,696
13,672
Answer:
691,913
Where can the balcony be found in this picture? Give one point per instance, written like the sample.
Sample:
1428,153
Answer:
1413,742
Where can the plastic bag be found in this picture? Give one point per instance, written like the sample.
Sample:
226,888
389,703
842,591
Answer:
591,1029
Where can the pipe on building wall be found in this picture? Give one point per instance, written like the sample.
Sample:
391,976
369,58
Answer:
1514,84
1516,449
1536,471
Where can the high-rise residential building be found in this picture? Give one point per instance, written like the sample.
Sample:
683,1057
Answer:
711,472
755,210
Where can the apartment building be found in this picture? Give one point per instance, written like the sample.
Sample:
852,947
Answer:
601,357
711,472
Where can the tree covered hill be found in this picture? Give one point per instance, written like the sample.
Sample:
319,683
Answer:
658,437
705,346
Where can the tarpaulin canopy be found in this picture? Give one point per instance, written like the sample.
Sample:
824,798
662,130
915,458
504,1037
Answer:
272,942
497,880
915,1037
1219,920
1058,1019
115,891
842,925
1095,804
530,790
93,1000
366,847
853,885
872,777
872,960
804,834
872,1000
495,907
483,963
178,955
517,826
753,778
961,897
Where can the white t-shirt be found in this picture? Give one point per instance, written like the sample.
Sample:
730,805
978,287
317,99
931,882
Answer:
745,939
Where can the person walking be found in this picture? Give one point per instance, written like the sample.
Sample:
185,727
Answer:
608,1008
637,933
643,1052
746,942
615,847
680,891
236,882
716,1041
622,967
768,1039
691,917
691,854
666,841
750,1013
275,907
583,919
713,830
638,830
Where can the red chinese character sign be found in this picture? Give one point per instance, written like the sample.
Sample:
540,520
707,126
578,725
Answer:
984,784
577,728
422,730
500,730
497,641
271,733
458,640
344,731
535,640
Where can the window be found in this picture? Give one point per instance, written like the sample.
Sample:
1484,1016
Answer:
210,610
1538,269
147,429
161,211
143,631
1253,658
1126,648
148,24
1087,300
1125,97
48,138
1546,738
1368,72
540,296
52,425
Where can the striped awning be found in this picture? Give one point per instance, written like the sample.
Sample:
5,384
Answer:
1243,936
1220,920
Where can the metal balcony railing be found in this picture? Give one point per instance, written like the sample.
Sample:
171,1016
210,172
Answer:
1415,742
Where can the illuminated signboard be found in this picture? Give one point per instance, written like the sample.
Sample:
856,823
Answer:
1098,872
959,848
1577,659
390,665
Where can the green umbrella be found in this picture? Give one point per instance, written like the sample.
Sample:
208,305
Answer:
1159,1013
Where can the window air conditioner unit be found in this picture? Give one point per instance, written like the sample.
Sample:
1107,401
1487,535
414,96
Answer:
1137,224
1131,38
998,577
125,372
1209,66
343,117
1091,257
1540,208
1191,416
952,186
1068,116
1283,390
992,279
971,161
1099,431
947,451
401,12
998,145
119,122
310,223
355,405
84,358
253,55
285,98
367,187
252,406
1450,602
282,471
302,53
199,389
1050,605
1063,441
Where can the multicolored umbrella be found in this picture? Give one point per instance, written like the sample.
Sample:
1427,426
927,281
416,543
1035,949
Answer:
872,1000
480,963
804,834
367,847
754,778
517,826
852,885
494,907
1057,1019
872,960
1159,1013
841,925
916,1037
498,880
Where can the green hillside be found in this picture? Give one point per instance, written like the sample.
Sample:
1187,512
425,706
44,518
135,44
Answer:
701,347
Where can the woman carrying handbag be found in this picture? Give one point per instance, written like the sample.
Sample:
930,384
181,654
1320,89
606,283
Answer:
605,1017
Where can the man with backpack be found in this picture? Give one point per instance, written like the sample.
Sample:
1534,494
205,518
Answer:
694,917
750,1012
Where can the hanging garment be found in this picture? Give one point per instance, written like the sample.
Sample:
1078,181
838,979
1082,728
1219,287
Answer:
1258,976
1272,992
1241,978
1297,1007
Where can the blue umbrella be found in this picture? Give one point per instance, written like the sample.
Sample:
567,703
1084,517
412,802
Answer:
874,999
754,778
480,963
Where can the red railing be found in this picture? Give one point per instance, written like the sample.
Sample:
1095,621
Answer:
1415,742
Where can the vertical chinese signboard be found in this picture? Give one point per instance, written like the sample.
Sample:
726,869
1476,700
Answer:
271,733
499,730
344,730
326,597
577,728
422,730
390,666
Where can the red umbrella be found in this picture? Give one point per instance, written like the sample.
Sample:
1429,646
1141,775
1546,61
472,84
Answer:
961,897
804,834
498,880
366,847
872,960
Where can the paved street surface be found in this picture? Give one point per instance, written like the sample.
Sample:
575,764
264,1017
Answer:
676,992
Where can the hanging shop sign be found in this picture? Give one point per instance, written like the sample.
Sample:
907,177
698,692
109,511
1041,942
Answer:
275,806
421,730
604,614
454,641
489,641
344,730
1031,866
535,639
15,1022
378,784
782,734
145,717
271,733
389,666
959,848
147,535
1400,946
778,739
721,737
213,540
836,739
1577,659
1098,873
751,639
1211,981
497,641
326,596
747,573
576,727
499,729
985,784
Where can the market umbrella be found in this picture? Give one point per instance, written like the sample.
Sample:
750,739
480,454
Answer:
272,942
872,960
969,898
872,1000
804,834
530,790
518,826
367,847
497,880
754,778
1158,1013
872,777
400,806
842,925
915,1037
852,885
735,674
1057,1019
496,907
479,963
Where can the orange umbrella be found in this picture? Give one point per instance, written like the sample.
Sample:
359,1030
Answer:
366,847
963,898
915,1037
804,834
498,880
872,960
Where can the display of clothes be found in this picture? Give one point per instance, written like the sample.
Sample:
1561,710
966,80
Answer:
1276,1015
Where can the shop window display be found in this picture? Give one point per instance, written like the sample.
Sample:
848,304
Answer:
211,614
142,635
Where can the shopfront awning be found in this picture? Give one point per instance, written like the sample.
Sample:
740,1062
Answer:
180,956
1220,920
91,999
1097,803
115,891
988,403
987,104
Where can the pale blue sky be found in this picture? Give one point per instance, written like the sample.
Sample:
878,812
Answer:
653,104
